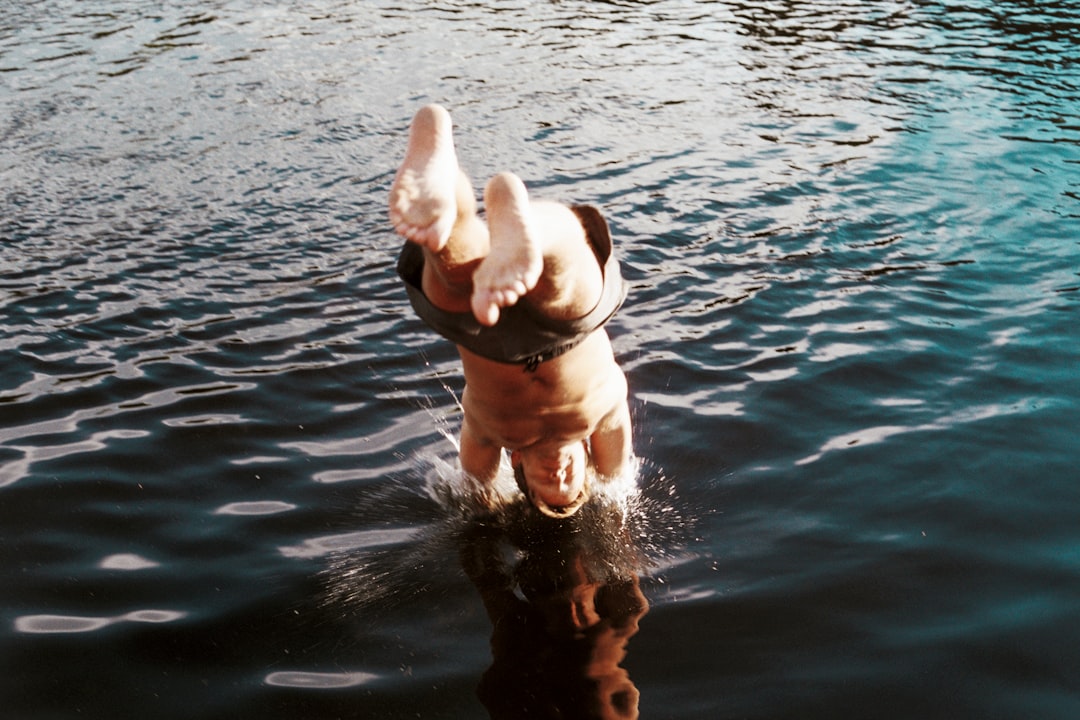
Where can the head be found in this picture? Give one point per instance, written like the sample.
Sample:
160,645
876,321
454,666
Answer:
555,478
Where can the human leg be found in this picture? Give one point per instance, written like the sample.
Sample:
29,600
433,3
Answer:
423,196
538,251
432,204
535,249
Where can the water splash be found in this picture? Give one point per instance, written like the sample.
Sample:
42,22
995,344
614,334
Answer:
631,527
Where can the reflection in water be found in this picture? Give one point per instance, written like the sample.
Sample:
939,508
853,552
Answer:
52,624
126,561
563,598
318,680
851,230
361,539
258,507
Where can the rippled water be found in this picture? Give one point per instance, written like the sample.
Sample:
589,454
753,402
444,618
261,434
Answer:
851,231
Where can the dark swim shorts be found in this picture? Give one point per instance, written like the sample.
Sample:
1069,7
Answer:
522,335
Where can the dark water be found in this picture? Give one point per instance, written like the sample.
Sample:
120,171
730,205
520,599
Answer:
851,231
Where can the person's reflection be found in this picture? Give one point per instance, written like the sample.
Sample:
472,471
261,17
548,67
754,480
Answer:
564,600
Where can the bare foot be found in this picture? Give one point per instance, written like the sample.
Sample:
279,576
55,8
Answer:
514,263
422,200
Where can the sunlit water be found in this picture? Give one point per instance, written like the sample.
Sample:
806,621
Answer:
851,234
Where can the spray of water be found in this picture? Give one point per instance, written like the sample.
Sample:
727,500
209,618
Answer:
629,528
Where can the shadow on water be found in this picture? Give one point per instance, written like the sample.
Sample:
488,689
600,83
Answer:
563,597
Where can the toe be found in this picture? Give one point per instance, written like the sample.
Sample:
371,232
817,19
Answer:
484,308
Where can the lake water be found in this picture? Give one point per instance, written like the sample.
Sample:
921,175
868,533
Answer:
851,235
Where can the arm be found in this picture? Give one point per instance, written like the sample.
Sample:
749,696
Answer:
479,456
612,442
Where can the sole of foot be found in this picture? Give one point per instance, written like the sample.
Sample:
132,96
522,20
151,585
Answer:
514,263
422,198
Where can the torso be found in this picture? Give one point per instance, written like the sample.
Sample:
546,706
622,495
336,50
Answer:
563,400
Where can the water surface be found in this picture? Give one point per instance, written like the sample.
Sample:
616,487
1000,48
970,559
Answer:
850,230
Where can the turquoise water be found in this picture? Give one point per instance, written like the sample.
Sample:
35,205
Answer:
851,233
